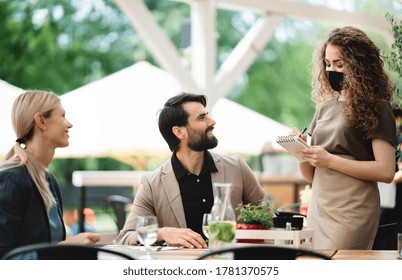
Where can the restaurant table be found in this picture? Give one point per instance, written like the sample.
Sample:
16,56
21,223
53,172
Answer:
365,255
170,253
85,179
159,252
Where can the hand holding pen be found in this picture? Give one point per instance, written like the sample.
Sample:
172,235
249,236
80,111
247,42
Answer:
304,130
297,132
302,135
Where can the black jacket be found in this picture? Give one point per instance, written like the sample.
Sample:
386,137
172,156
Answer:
23,216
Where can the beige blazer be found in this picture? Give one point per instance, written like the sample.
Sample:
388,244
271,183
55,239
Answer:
159,194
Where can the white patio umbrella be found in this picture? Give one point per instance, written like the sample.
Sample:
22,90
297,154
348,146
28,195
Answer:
242,130
8,93
117,116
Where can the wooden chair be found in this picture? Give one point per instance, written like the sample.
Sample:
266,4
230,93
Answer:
50,251
261,252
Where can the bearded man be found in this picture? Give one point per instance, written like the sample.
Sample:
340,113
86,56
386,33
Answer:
180,191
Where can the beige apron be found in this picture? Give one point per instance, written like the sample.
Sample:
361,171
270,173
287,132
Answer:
344,211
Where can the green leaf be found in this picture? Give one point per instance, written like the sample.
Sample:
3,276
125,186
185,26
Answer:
257,214
222,231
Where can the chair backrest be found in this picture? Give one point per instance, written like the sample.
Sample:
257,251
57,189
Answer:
118,204
292,208
386,237
265,252
48,251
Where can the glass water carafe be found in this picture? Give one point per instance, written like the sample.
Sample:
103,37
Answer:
222,227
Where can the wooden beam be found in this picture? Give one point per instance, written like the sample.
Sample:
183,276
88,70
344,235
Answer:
158,42
307,11
203,43
244,54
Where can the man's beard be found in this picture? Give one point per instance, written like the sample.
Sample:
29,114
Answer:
200,141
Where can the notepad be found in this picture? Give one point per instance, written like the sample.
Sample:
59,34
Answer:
293,144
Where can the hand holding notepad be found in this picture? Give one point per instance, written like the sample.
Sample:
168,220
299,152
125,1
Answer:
293,144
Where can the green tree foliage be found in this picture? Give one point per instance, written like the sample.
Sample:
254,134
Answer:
395,58
279,84
61,45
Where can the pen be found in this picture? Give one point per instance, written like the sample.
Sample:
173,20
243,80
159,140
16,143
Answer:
304,130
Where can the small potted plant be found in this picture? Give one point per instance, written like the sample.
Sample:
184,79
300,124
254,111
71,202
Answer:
255,217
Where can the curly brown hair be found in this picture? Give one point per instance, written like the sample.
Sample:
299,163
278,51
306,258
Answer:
366,84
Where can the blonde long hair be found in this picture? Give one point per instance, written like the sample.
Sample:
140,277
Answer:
24,109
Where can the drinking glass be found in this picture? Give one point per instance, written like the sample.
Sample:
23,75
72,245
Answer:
205,224
147,232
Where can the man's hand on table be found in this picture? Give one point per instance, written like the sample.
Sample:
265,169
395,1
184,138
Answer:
182,236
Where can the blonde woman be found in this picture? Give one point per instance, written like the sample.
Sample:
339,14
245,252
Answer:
31,208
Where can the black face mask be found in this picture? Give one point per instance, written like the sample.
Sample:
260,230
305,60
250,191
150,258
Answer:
335,80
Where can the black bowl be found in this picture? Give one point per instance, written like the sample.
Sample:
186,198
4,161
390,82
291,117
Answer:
296,222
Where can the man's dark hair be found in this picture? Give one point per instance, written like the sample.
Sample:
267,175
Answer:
396,111
172,114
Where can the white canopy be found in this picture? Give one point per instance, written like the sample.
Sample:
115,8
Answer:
8,93
117,115
242,130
